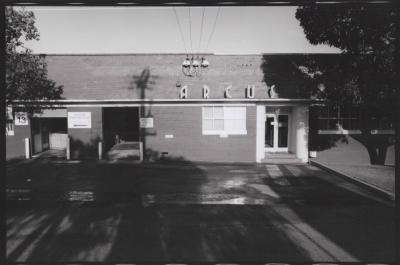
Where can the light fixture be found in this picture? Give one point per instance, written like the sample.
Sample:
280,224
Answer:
194,66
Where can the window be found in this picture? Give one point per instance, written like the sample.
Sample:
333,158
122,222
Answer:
381,123
334,118
224,120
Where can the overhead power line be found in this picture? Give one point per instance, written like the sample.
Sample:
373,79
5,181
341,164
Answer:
190,32
180,30
213,29
201,31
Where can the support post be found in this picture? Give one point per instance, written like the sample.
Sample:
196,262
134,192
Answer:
27,148
141,151
100,149
68,151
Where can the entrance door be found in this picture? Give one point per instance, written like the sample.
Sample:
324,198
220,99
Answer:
276,132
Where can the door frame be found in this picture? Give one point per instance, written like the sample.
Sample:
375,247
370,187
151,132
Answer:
275,147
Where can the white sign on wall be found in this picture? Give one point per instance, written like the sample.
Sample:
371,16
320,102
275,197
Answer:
78,120
21,118
146,123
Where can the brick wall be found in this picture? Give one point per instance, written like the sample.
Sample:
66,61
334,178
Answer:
127,76
188,143
84,142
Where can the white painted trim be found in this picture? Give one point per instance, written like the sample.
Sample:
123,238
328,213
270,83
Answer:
223,132
260,133
167,100
345,132
374,132
149,105
62,103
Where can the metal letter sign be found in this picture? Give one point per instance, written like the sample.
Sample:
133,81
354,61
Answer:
77,120
146,123
21,118
206,92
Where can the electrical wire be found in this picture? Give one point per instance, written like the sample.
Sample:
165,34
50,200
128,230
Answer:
190,32
180,30
212,32
201,31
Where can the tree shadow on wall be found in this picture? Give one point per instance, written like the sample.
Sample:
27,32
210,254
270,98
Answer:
141,84
301,76
289,76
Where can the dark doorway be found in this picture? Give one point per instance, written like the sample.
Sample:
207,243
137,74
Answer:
120,125
49,133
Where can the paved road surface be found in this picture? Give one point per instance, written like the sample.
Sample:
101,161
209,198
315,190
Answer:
74,211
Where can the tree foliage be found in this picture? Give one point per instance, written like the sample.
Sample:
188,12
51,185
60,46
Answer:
367,35
26,73
365,74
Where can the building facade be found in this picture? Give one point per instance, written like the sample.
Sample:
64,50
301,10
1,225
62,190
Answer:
227,114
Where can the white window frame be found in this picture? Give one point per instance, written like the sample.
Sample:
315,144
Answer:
224,132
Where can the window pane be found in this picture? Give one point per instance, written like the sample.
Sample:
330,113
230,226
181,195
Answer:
333,124
323,124
207,112
218,124
242,125
218,113
235,125
235,113
230,125
346,124
207,124
323,112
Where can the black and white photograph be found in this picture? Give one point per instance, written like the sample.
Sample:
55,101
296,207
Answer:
187,134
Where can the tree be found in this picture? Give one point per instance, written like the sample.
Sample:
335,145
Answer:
26,73
366,35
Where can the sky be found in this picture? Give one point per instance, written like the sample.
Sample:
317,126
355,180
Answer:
238,30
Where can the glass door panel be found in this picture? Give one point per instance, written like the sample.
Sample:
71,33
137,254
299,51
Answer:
269,131
283,129
276,132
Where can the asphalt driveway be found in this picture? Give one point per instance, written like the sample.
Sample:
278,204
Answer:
189,212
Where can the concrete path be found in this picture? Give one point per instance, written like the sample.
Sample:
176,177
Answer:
193,212
379,177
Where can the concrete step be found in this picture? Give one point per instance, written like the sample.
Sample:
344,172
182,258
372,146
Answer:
280,155
281,158
282,161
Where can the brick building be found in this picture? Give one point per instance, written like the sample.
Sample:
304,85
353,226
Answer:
226,115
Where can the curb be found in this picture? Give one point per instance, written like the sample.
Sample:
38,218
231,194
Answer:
378,191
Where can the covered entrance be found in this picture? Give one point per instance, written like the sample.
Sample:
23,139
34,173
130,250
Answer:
282,133
49,130
120,126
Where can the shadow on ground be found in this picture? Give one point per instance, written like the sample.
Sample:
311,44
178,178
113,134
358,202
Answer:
186,212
